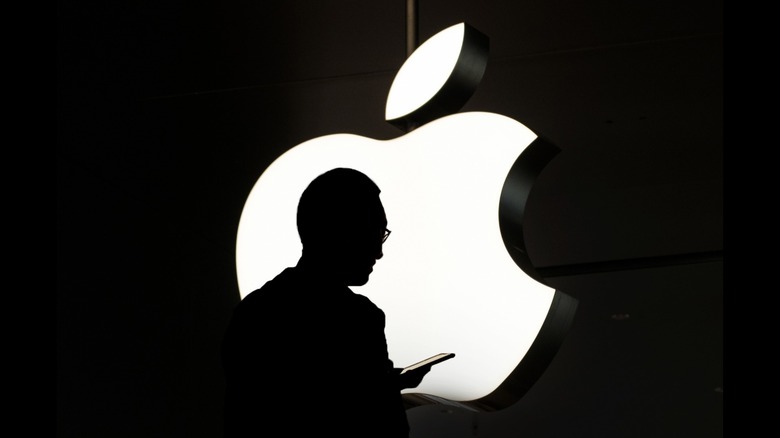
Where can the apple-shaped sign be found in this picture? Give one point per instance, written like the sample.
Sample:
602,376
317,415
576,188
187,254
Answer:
455,276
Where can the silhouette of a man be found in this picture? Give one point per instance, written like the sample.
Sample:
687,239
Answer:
304,355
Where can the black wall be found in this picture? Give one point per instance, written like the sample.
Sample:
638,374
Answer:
168,112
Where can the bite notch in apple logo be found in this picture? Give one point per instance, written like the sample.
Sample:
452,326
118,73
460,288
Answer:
455,276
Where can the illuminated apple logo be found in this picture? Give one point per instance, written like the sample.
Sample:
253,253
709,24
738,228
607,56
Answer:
455,276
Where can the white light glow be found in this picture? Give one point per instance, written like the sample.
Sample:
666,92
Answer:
424,72
446,282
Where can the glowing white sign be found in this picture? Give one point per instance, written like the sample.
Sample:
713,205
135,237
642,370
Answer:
446,281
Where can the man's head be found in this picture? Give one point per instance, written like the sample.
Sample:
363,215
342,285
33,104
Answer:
342,223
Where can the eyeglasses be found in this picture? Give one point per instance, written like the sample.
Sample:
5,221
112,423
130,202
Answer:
386,235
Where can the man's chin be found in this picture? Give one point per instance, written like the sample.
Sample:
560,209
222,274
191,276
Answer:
359,280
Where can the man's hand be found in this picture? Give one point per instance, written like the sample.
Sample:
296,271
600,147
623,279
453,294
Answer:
412,378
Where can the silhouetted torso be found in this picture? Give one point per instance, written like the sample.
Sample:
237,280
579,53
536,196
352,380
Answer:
309,358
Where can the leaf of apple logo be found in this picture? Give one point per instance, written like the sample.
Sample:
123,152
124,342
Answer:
455,190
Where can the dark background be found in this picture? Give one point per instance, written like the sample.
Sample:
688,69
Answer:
168,112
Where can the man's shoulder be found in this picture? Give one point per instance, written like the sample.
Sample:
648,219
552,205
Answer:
294,287
273,289
288,278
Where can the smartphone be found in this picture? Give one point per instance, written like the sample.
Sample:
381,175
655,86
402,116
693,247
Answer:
436,358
